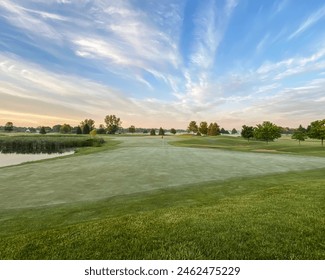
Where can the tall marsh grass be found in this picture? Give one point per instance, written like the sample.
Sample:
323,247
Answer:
35,144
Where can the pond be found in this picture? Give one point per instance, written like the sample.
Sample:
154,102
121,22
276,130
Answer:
13,159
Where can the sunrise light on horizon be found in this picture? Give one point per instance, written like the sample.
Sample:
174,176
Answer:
162,63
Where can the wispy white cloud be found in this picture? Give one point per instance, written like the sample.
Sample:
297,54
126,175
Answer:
116,33
292,66
30,20
132,41
36,85
293,105
55,98
140,46
210,26
211,23
260,46
281,5
310,21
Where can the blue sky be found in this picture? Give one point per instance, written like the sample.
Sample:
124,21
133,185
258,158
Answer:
162,63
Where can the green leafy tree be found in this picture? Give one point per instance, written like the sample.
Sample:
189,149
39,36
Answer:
42,130
79,131
213,129
113,123
66,128
299,134
223,131
86,129
161,131
267,131
9,126
56,128
173,131
152,132
89,122
317,130
132,129
101,129
203,128
234,131
192,127
247,132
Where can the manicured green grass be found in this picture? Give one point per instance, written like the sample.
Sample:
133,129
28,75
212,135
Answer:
138,165
267,217
285,144
257,212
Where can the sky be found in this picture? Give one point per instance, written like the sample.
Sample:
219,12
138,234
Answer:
162,63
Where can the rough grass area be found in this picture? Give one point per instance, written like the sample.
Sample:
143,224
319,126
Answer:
149,200
267,217
31,144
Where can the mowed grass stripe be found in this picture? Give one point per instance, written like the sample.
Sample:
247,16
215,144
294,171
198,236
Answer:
140,165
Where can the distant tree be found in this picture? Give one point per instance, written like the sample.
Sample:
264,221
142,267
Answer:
287,130
48,129
85,129
79,131
132,129
93,133
152,132
9,126
317,130
161,131
39,128
213,129
267,131
66,128
145,131
56,128
74,129
223,131
234,131
173,131
31,129
101,129
112,124
247,132
42,130
299,134
89,122
192,127
203,128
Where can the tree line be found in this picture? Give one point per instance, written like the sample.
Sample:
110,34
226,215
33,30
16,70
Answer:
203,128
87,126
266,131
112,124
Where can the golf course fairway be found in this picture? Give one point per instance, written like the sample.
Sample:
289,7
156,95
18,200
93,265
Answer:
147,190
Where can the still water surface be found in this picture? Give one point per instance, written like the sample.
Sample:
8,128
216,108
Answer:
13,159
